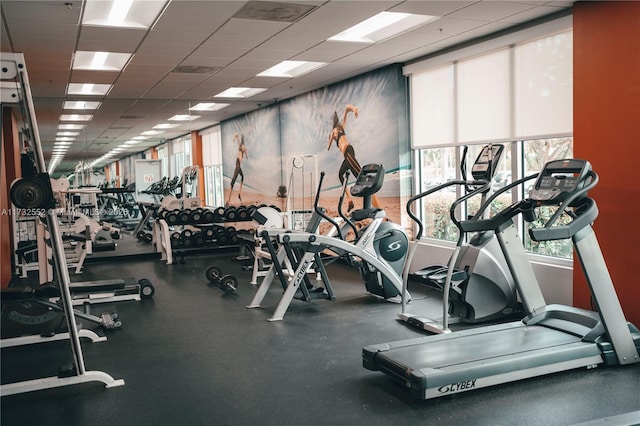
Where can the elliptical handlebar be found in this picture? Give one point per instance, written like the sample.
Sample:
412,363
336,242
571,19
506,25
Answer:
344,217
320,211
436,189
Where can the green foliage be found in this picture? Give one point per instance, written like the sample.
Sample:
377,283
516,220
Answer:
557,248
438,223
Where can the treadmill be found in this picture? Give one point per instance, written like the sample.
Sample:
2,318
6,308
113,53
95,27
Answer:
550,338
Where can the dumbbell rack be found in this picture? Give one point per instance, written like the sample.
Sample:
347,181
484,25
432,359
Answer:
200,229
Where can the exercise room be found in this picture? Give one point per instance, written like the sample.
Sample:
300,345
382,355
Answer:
320,212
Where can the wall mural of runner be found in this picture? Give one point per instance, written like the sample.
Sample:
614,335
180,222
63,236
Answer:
345,126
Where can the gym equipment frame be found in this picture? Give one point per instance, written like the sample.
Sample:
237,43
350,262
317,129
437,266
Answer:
16,90
550,338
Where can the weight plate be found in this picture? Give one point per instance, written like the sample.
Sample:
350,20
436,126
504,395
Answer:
229,283
213,274
30,193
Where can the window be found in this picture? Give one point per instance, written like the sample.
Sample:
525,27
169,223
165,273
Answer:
536,154
515,90
212,162
162,156
180,155
438,165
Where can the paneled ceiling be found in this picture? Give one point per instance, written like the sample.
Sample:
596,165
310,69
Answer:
197,49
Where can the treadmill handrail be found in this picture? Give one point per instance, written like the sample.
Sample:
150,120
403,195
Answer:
587,213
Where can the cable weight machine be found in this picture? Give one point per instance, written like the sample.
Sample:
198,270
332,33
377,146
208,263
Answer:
33,193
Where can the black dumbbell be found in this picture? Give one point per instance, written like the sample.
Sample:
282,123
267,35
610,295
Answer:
219,214
196,216
209,233
146,288
230,214
198,239
208,216
228,283
184,216
172,217
242,213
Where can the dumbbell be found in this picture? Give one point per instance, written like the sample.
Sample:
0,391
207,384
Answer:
196,216
184,216
221,237
146,288
209,233
228,283
198,239
232,234
175,240
251,210
172,217
242,213
219,214
230,214
208,216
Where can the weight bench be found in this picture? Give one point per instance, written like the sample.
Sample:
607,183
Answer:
42,296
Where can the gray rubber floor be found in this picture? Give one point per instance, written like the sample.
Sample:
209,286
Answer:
193,355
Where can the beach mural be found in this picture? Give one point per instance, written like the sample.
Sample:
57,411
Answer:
251,158
337,128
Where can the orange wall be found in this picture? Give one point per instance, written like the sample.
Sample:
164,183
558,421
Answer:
9,171
606,127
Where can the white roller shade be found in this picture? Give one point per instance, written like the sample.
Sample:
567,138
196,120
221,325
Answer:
544,89
212,147
483,98
432,106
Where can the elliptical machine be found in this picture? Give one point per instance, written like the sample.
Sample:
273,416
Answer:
387,239
476,283
379,250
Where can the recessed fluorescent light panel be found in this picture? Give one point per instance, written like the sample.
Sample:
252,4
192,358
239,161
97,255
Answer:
75,117
70,126
88,89
67,133
208,106
382,26
180,117
239,92
122,13
81,105
165,126
291,69
100,61
152,132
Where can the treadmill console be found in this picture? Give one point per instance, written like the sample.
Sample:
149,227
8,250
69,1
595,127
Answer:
559,179
486,163
369,180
